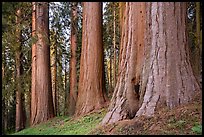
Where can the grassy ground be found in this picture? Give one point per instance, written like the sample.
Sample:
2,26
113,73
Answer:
66,125
186,119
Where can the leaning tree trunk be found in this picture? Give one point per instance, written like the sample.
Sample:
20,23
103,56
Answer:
42,104
20,108
124,102
73,69
167,78
91,93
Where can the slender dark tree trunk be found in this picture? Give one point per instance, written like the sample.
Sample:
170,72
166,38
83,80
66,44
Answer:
198,49
54,73
110,70
33,106
20,108
66,90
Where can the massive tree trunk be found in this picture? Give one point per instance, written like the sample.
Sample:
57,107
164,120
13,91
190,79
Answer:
20,108
42,104
73,69
91,93
124,103
121,14
167,78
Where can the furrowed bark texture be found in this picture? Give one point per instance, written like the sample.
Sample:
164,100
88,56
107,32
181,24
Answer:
124,102
42,101
167,77
73,69
91,92
163,74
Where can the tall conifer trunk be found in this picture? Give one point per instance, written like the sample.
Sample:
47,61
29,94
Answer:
73,69
154,69
20,106
91,93
42,103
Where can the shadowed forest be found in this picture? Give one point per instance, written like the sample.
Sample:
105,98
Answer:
95,68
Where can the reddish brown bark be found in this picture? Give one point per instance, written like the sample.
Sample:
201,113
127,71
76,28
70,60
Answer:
124,103
114,46
91,93
42,101
20,108
167,78
164,76
121,10
33,78
73,69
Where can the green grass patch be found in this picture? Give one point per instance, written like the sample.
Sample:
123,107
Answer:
66,125
197,129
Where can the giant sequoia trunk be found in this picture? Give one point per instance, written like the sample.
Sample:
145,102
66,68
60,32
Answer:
91,82
73,69
20,106
125,99
42,104
164,70
167,78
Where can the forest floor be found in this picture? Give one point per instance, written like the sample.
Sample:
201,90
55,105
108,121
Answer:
182,120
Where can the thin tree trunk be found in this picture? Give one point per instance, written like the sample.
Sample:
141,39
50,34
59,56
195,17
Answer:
198,25
91,93
198,44
43,103
110,70
114,47
3,97
73,69
20,110
33,106
66,91
54,73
